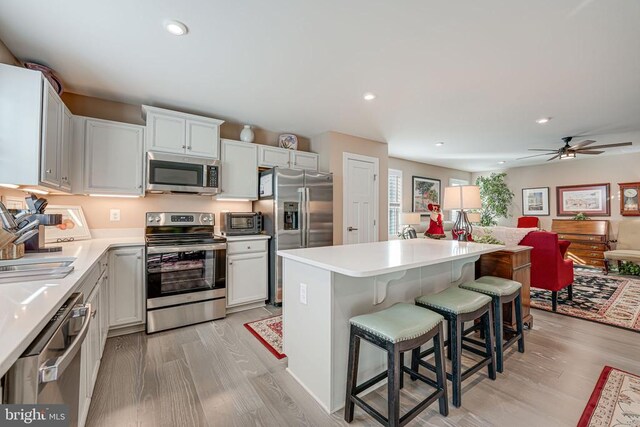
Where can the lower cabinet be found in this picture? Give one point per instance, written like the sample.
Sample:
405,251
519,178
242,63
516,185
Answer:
126,287
115,289
247,273
93,346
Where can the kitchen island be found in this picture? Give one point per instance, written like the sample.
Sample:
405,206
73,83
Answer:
324,287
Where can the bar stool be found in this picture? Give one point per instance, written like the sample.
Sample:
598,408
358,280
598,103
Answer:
459,306
501,291
397,329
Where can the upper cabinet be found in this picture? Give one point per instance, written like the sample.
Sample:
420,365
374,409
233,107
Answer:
304,160
35,132
269,157
113,157
181,133
239,170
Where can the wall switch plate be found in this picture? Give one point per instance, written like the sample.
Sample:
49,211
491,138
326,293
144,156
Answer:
114,215
303,293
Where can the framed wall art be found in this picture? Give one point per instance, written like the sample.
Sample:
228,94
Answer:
425,191
591,200
73,227
535,201
629,198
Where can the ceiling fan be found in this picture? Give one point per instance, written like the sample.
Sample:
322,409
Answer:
570,151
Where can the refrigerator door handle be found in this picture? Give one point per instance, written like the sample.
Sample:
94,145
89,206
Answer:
307,220
302,221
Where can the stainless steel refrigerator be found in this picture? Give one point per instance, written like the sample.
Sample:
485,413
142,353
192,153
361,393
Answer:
298,213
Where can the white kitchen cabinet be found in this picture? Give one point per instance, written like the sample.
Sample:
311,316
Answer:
269,157
303,160
181,133
104,310
247,273
51,136
113,158
247,279
238,170
94,288
34,135
66,147
126,287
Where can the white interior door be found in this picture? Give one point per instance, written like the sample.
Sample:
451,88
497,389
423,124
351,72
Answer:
360,199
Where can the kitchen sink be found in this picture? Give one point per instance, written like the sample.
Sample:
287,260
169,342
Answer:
26,269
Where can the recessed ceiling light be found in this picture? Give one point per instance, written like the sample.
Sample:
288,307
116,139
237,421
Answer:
501,162
369,96
439,144
543,120
176,28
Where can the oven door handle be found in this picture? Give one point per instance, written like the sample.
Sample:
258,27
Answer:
185,248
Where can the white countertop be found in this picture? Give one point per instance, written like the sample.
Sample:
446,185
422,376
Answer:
372,259
247,237
26,307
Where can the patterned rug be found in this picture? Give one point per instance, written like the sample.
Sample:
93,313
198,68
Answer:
615,401
613,300
269,333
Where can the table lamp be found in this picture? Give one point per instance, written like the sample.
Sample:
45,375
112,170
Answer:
408,219
463,198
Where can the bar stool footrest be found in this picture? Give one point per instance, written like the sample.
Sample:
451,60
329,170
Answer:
464,375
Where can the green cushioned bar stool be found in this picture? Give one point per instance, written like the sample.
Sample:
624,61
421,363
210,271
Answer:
501,291
397,329
459,306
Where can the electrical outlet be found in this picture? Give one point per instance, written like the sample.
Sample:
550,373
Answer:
114,215
303,293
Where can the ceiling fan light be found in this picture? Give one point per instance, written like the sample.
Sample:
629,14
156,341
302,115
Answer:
568,155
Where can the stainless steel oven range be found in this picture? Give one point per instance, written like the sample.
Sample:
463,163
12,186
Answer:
186,270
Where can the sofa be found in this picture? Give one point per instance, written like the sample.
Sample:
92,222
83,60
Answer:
628,246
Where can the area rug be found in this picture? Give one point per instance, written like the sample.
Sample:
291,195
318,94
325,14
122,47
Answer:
613,300
615,401
269,333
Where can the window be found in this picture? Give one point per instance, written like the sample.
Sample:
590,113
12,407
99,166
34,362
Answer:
395,201
454,182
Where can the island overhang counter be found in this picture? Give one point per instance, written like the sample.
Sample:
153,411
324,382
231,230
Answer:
324,287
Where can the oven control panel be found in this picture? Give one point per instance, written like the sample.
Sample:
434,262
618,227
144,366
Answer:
179,218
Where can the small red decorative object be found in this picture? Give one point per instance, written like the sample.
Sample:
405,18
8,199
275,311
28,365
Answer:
436,229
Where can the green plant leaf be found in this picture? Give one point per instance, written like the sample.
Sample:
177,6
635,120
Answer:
496,198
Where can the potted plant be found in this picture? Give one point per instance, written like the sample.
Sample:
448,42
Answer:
496,198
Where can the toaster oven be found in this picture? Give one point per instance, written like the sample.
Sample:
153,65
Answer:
240,223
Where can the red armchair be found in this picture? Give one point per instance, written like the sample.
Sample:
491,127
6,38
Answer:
528,222
549,269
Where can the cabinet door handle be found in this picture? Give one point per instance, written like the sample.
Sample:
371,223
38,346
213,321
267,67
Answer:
189,148
48,171
351,229
184,146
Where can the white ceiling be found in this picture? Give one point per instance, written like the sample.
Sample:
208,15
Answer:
474,74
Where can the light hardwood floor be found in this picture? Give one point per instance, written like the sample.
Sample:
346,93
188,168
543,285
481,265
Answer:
217,374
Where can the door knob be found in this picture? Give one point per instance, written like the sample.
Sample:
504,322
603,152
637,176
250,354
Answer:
351,229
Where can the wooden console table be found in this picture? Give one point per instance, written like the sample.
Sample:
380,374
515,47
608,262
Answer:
510,263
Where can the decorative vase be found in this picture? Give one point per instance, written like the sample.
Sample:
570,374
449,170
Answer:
247,134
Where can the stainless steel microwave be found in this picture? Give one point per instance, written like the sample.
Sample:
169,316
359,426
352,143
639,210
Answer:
240,223
175,173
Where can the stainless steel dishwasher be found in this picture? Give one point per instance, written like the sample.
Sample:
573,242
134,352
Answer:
48,372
